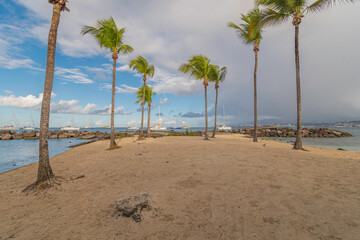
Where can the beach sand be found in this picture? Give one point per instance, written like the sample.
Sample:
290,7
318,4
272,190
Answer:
227,188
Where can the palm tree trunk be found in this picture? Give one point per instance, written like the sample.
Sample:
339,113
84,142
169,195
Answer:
44,171
206,114
112,135
148,121
216,103
255,94
298,142
142,111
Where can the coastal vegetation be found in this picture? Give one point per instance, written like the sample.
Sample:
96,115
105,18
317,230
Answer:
279,11
200,68
149,93
250,32
220,76
110,36
142,66
45,176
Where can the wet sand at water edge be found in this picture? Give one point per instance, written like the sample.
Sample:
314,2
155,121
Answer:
225,188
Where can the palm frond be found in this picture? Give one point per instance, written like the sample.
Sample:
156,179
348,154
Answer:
141,65
319,5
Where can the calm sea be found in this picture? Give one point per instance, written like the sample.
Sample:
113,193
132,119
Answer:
18,153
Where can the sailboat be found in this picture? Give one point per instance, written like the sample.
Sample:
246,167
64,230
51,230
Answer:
133,127
90,125
177,125
70,128
12,127
32,127
158,127
224,127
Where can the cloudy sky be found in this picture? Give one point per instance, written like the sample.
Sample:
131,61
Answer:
168,33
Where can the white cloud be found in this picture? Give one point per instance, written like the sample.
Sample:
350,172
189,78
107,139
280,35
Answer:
8,91
67,107
122,89
72,75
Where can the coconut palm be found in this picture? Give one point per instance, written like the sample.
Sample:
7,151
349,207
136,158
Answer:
109,36
142,66
250,32
45,175
148,98
199,67
220,77
278,11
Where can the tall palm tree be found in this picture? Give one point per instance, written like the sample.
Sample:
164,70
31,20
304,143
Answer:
250,32
199,67
142,66
148,98
109,36
220,77
45,175
278,11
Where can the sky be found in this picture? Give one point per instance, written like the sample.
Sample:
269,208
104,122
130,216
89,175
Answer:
168,33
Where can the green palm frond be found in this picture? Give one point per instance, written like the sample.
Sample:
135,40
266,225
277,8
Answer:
319,5
216,74
148,94
141,65
108,35
250,30
197,67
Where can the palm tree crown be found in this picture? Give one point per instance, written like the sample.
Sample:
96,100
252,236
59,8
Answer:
199,67
250,31
148,94
219,75
142,66
109,36
279,11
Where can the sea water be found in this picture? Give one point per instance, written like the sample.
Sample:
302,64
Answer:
18,153
346,143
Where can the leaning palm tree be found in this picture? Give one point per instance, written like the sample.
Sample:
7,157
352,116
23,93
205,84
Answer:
45,175
148,98
220,77
142,66
250,32
109,36
199,67
279,11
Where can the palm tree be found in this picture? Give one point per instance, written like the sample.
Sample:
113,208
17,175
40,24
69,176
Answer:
199,67
220,77
250,32
109,36
45,175
279,11
142,66
148,98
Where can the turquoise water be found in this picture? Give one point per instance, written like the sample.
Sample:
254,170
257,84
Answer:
18,153
347,143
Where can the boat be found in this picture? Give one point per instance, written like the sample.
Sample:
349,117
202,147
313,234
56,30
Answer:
70,128
158,127
11,127
223,127
185,127
32,127
133,128
90,125
174,128
105,127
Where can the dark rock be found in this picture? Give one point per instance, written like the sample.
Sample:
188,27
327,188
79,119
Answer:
132,206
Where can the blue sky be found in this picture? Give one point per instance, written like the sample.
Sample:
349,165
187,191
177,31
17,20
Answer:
167,34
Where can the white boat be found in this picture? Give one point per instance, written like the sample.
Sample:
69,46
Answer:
28,128
70,128
32,127
158,127
11,127
133,128
223,127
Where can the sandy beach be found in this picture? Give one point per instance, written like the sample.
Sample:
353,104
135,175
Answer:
227,188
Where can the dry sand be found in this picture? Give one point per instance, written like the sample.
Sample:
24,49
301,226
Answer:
227,188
